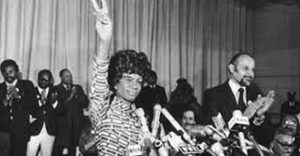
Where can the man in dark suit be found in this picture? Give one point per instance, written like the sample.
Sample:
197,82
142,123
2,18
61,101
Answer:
238,93
70,125
151,95
44,129
17,107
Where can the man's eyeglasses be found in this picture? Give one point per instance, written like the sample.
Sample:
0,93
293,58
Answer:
285,145
42,79
288,123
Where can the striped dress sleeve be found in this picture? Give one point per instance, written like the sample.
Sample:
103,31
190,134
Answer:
99,92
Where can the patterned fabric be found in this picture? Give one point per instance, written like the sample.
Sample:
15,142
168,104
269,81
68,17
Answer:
115,124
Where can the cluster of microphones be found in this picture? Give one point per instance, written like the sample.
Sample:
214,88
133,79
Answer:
233,138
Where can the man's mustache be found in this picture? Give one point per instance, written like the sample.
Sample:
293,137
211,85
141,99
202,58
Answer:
10,77
250,77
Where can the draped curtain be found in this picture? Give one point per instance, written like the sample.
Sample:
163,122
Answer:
192,39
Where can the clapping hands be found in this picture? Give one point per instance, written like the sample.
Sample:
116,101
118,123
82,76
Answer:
260,106
14,92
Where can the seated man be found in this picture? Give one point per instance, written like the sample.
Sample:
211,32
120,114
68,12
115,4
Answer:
283,143
151,95
290,122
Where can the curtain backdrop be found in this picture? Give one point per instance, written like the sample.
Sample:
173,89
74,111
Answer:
193,39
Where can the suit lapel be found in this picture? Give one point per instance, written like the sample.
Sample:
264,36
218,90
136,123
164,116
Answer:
229,95
20,88
251,94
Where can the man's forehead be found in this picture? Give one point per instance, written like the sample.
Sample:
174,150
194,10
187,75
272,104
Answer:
66,72
290,118
10,67
189,113
245,58
47,75
285,138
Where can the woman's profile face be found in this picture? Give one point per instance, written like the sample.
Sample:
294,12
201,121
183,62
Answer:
129,87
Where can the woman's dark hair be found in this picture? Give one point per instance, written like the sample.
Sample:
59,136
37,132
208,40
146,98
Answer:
182,99
7,63
127,61
151,77
181,81
46,71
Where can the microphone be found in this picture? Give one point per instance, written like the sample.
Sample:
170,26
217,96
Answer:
141,114
174,140
147,143
239,123
177,126
220,124
155,121
219,121
217,149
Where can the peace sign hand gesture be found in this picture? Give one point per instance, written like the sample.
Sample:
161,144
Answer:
103,22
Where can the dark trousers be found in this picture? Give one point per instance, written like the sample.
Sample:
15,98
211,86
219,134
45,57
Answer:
18,145
5,142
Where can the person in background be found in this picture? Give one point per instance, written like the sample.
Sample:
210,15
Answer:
283,143
71,124
188,118
291,122
150,95
44,129
291,106
183,97
18,106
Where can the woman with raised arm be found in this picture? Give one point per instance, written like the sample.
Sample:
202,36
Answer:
118,130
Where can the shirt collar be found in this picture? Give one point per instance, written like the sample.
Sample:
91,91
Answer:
152,86
14,83
235,86
46,90
66,86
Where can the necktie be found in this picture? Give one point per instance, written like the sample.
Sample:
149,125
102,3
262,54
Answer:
241,102
43,95
69,88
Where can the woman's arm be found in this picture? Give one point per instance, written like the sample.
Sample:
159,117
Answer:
99,89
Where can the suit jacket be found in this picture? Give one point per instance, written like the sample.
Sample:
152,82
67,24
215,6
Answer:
148,97
46,113
286,108
17,122
221,99
71,123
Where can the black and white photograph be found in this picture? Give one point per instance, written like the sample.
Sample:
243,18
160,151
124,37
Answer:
150,77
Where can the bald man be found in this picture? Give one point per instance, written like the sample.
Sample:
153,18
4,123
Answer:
236,94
